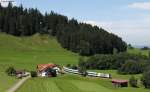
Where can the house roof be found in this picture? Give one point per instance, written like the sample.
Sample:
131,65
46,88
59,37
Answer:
42,67
119,81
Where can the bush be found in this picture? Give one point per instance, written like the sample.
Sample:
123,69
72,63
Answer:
133,81
33,74
146,79
74,67
145,48
10,71
68,65
125,63
131,67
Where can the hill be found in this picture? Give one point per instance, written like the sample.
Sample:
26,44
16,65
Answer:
27,52
75,36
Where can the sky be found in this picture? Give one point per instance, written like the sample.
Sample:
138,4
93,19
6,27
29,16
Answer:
129,19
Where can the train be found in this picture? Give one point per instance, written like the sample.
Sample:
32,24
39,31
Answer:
89,73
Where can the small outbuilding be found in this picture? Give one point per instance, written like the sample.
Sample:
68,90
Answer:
120,83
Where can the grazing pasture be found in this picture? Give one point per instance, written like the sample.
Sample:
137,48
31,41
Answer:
138,51
73,83
5,80
67,83
27,52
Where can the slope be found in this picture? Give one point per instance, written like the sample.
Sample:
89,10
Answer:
27,52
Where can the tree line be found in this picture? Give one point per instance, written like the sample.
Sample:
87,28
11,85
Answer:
75,36
123,62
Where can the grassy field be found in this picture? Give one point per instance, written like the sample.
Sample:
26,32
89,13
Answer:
27,52
73,83
5,81
65,83
138,51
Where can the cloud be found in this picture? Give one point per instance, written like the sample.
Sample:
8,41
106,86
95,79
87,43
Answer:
5,4
140,5
136,32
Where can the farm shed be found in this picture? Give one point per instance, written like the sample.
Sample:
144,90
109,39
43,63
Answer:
119,83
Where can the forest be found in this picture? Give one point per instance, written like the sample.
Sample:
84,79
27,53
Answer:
75,36
124,63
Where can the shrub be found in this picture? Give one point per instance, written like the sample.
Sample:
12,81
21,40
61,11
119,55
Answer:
145,48
146,79
10,71
33,74
131,67
133,81
74,67
68,65
125,63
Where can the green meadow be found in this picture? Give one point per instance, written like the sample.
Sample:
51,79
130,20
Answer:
138,51
5,80
73,83
27,52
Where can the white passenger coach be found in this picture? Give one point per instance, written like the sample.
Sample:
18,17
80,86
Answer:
92,74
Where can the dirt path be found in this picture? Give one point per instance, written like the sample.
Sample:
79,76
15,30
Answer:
18,84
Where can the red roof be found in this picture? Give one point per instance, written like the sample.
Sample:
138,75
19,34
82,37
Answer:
42,67
119,81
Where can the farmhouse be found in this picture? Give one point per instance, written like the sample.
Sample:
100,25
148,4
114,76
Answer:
119,83
46,70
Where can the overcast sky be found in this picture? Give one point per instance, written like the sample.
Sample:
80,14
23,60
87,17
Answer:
129,19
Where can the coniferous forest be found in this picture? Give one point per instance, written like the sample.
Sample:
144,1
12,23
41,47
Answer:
75,36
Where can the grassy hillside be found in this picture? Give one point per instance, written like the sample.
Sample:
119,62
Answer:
27,52
73,83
